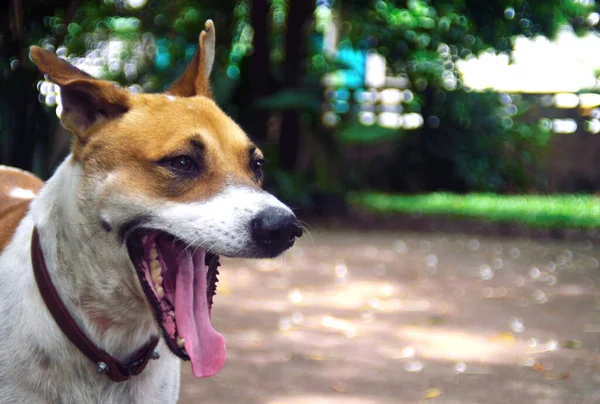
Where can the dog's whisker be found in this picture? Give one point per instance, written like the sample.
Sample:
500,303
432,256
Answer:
81,249
304,226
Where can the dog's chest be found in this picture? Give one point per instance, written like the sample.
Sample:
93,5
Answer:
160,384
150,389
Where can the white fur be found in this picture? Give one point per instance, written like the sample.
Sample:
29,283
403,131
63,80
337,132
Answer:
21,193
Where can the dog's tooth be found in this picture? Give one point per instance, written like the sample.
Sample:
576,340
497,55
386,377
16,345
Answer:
180,342
154,268
160,292
158,280
153,253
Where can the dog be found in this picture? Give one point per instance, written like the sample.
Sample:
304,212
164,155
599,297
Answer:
124,237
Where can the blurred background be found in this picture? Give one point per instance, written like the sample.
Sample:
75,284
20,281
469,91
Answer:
404,97
442,154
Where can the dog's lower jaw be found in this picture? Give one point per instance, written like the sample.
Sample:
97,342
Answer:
47,365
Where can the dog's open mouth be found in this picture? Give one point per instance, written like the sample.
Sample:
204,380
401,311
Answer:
179,282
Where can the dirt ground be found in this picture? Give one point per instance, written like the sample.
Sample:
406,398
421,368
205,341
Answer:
358,318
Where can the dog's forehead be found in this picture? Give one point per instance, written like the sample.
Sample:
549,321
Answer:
165,120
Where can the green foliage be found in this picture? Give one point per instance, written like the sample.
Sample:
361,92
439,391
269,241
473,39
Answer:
471,141
356,133
292,99
157,40
477,145
576,211
293,188
425,38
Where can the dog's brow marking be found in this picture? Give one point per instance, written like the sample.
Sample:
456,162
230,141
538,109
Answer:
170,97
21,193
197,143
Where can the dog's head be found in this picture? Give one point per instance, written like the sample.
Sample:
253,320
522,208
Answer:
178,182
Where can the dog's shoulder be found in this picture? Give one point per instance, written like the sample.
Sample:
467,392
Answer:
17,189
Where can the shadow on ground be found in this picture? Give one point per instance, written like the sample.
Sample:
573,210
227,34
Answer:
357,318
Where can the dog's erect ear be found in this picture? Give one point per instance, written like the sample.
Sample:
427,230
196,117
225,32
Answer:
85,100
195,78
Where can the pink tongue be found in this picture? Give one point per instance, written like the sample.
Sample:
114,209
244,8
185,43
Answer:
204,345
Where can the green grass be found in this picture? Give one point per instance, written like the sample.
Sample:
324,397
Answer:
575,211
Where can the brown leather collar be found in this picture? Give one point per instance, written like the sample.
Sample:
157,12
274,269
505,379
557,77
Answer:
116,370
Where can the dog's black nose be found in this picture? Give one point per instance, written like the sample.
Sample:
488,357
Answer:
275,229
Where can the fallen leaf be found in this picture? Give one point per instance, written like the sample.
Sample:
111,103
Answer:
573,344
316,356
432,393
555,376
340,387
436,320
537,366
504,337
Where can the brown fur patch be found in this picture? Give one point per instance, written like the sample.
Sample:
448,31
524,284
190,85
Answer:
157,128
13,209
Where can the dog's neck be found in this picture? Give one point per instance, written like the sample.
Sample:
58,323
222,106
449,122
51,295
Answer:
90,267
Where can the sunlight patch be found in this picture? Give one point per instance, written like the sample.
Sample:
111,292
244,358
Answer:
433,343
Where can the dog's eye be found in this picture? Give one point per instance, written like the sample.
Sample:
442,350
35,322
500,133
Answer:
257,166
183,163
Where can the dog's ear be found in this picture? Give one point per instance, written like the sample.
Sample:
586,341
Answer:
195,78
85,101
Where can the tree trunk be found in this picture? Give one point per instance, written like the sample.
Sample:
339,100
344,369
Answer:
18,91
260,78
26,125
299,15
